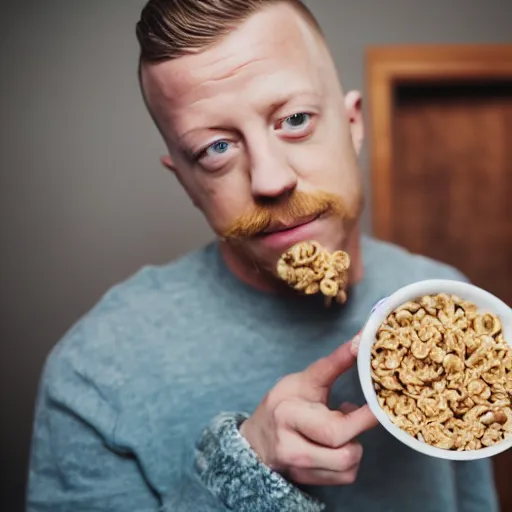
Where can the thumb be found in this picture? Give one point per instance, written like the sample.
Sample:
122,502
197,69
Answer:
347,407
325,371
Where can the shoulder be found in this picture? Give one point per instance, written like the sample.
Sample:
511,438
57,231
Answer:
136,324
386,261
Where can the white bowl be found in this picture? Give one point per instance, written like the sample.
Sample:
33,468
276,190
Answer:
485,301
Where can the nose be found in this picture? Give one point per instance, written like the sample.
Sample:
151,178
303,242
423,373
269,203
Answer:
271,175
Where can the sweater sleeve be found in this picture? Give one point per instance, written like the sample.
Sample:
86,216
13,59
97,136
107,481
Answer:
475,486
232,471
75,464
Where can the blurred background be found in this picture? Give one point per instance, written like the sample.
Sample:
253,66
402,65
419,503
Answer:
83,200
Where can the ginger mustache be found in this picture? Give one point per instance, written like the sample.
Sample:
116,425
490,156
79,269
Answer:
300,205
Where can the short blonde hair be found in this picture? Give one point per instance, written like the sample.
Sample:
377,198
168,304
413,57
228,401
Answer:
168,29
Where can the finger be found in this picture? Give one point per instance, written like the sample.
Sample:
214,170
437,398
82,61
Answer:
323,477
354,344
315,422
299,453
358,421
325,371
340,459
347,408
329,428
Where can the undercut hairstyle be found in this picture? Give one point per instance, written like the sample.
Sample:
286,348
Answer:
168,29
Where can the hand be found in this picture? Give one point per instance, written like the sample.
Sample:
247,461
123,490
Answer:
296,434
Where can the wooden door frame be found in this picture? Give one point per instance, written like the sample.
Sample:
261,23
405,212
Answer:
391,65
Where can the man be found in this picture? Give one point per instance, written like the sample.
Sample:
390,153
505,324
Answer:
209,384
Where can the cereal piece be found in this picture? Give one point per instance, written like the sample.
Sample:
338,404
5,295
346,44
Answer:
472,341
413,390
438,436
406,405
437,354
454,341
387,341
443,373
446,318
391,383
392,400
474,444
305,253
407,374
411,307
507,426
453,364
504,402
477,413
392,321
404,317
491,436
309,268
329,287
439,386
429,304
420,349
341,298
444,415
428,406
420,314
312,288
487,418
479,391
508,383
416,417
340,261
303,278
405,424
393,359
487,324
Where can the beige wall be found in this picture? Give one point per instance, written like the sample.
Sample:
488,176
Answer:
83,200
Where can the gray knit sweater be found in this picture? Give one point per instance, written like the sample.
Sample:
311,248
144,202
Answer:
140,402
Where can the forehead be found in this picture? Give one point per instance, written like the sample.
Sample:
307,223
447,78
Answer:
273,53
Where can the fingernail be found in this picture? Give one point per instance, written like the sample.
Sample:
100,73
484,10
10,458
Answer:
347,408
354,346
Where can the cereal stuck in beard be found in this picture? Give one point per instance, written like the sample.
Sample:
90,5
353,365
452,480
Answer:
309,268
442,372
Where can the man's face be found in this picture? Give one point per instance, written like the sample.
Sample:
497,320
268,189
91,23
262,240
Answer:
261,137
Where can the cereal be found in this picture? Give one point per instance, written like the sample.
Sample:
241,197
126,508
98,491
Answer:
309,268
443,373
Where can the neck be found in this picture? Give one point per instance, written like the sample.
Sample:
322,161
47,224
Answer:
247,272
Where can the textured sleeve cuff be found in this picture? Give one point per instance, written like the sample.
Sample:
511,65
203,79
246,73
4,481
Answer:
231,470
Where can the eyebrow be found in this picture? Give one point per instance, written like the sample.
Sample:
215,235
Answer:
281,102
273,107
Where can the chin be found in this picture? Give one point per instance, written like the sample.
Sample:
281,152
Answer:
335,242
266,251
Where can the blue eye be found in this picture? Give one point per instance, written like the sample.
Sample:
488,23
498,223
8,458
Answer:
218,148
297,120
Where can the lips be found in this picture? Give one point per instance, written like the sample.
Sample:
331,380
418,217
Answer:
280,228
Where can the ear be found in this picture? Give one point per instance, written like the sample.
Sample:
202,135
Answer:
354,108
168,162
